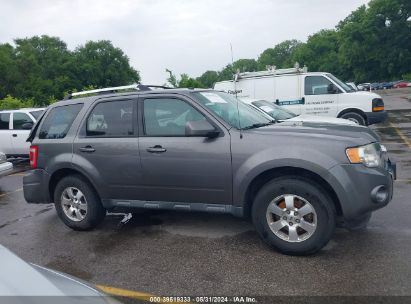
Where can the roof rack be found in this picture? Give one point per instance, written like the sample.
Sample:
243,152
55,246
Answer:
272,70
137,87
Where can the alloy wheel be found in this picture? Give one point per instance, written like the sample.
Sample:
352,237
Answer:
291,218
74,204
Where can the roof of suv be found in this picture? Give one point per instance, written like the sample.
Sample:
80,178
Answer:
180,91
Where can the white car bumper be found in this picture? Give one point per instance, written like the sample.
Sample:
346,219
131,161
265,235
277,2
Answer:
5,168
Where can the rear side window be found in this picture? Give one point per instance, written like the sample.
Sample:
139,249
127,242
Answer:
4,121
58,121
111,119
19,119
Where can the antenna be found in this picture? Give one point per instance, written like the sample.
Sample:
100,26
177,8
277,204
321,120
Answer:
235,76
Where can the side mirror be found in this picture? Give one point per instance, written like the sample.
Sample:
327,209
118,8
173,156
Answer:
332,89
201,128
27,126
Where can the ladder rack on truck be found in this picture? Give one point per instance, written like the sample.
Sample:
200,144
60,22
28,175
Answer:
271,70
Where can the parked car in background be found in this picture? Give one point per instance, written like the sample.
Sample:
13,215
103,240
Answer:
5,166
352,86
203,150
22,282
308,93
401,84
386,85
15,126
375,86
280,114
364,86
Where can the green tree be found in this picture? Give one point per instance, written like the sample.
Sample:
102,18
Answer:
101,64
227,73
184,82
41,64
208,78
41,68
376,41
9,76
320,52
172,79
245,65
10,102
188,82
280,55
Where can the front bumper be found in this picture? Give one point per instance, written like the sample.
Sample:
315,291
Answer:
5,168
35,187
361,190
376,117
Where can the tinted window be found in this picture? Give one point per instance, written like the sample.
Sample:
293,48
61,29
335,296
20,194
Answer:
36,114
58,121
19,119
111,119
4,121
316,85
168,116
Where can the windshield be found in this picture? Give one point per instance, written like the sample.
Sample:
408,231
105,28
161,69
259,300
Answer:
273,110
225,106
340,83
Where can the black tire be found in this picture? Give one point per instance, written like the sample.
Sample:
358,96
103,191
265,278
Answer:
355,117
311,192
95,210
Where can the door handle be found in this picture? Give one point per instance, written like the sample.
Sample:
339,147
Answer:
156,149
87,149
14,135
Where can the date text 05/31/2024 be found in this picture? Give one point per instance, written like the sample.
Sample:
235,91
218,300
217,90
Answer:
203,299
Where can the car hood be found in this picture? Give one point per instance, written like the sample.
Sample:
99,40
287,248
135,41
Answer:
371,95
18,278
353,133
322,119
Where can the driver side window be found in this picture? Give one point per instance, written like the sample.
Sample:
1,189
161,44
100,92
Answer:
168,116
316,85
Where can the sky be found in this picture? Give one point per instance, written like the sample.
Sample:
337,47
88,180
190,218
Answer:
185,36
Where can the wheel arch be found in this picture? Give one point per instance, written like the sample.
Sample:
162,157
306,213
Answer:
260,180
59,174
350,110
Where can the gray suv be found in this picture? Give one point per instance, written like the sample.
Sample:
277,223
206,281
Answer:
202,150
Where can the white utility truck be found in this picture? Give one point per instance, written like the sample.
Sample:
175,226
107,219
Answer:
310,93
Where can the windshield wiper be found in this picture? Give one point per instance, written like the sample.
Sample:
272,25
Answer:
258,125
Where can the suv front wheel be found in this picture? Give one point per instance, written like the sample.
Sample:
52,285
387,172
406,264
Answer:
77,204
294,215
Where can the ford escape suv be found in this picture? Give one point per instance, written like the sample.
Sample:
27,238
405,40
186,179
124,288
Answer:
202,150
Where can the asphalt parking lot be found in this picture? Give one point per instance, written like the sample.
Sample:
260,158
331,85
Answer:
176,254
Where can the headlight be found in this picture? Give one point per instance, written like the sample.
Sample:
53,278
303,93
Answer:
369,155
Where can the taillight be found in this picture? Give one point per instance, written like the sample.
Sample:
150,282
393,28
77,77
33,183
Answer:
34,154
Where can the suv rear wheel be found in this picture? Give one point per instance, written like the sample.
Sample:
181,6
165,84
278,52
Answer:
294,215
77,204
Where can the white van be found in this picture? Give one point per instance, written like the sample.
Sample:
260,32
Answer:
310,93
15,126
